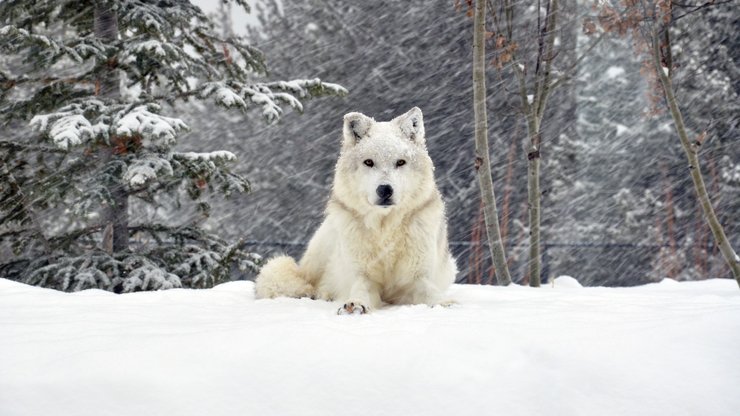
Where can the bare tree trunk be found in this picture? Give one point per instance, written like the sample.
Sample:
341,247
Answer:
482,161
534,109
691,150
116,212
533,202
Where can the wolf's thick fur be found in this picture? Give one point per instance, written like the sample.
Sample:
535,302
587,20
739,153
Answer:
384,238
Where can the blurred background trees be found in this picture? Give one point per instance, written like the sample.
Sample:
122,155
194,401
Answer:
617,207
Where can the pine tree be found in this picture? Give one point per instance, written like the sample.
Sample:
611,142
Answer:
96,80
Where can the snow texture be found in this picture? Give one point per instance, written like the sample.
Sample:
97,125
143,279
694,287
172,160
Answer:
268,96
614,72
146,168
65,129
223,95
150,277
150,46
219,155
140,120
663,349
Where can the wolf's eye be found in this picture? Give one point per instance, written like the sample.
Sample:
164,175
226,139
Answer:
400,162
369,163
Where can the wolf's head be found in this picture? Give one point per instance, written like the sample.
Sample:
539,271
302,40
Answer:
384,165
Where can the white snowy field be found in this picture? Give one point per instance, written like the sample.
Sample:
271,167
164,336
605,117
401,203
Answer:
662,349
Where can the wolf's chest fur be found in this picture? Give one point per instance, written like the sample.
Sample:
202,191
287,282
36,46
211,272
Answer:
387,255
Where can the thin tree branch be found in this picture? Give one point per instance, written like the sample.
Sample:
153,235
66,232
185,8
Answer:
697,8
573,69
549,30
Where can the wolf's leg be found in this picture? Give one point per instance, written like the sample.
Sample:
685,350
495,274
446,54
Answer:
364,296
315,258
425,292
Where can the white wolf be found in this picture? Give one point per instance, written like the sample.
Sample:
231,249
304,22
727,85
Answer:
384,238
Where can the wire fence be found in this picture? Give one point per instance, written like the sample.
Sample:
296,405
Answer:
609,263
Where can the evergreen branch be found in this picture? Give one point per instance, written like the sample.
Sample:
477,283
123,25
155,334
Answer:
187,232
64,240
15,232
242,3
17,191
221,271
47,98
183,231
78,49
22,147
8,83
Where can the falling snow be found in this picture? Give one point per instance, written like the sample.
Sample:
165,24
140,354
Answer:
637,314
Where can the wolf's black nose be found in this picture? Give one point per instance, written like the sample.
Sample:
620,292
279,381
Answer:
384,192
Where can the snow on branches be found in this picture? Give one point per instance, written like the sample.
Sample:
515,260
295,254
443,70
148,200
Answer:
73,125
65,129
268,96
145,169
144,121
150,277
131,273
209,167
14,39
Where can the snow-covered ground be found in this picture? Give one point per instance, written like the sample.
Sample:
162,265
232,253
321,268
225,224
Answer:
662,349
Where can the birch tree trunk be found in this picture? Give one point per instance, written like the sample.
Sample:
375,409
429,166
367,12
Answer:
533,202
482,160
115,213
534,106
691,150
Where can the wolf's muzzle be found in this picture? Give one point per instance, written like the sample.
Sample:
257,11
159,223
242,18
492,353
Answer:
385,194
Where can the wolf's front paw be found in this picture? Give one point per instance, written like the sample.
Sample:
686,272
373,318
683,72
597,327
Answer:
352,308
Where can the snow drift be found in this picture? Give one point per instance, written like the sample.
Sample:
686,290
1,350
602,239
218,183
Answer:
667,348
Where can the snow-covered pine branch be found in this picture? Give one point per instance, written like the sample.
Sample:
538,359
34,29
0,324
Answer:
270,95
144,121
73,125
209,167
145,169
65,129
222,95
219,156
14,39
102,271
150,277
305,88
198,265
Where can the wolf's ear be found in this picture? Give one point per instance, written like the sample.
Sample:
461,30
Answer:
412,125
356,126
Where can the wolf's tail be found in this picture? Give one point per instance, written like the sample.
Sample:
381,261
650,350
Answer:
281,277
